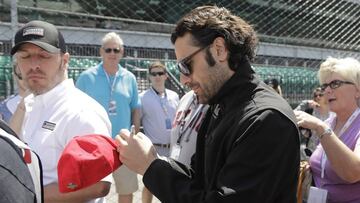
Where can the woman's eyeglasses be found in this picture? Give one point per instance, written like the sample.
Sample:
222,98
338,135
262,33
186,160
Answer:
157,73
183,65
115,50
334,84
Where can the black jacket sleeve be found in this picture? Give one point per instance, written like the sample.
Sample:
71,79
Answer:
252,161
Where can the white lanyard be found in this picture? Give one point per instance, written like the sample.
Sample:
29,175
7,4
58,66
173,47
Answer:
343,129
111,86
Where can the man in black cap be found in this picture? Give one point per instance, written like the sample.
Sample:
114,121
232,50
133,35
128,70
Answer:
56,111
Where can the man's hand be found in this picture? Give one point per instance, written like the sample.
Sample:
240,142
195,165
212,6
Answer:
136,151
313,104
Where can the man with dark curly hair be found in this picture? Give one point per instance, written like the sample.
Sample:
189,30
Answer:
248,144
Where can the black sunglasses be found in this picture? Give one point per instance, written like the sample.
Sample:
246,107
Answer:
334,84
115,50
157,73
183,65
319,95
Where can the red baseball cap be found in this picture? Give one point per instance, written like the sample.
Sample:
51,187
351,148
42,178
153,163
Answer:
85,161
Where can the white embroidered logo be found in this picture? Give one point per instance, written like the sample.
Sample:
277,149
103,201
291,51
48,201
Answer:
33,31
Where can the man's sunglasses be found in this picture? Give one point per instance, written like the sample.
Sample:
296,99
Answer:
115,50
157,73
183,65
319,95
334,84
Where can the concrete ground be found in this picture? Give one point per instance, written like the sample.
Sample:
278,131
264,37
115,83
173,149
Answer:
112,196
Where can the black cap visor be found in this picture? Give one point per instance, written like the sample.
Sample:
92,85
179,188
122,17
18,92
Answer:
47,47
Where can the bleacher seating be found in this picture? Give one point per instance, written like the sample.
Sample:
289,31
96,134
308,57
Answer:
5,61
5,76
297,83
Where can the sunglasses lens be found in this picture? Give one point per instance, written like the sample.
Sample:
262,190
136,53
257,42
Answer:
108,50
183,68
157,73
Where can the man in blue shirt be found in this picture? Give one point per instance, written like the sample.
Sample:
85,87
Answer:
115,88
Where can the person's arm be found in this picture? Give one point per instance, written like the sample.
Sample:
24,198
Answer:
344,161
135,117
17,118
52,194
256,167
135,104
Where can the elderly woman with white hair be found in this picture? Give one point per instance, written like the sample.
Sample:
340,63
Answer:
335,164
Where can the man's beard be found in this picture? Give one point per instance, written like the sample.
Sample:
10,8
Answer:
38,90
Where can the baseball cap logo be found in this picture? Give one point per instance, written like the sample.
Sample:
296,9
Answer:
42,34
33,31
71,186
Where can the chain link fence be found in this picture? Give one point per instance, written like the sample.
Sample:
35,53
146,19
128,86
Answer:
295,35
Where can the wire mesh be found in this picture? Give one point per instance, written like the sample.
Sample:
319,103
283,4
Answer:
294,34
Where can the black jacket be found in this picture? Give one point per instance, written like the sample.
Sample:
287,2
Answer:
247,150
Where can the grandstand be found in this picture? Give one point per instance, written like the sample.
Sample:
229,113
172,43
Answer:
295,36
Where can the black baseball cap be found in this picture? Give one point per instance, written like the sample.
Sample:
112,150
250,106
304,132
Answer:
42,34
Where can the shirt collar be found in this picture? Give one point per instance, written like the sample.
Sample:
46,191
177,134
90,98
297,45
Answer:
120,71
243,78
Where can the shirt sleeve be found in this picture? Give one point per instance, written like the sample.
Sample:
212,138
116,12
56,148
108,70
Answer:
141,111
87,122
81,82
135,100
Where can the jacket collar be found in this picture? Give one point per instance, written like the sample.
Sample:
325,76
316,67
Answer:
243,80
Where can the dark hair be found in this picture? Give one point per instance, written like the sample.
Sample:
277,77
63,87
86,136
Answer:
206,23
273,82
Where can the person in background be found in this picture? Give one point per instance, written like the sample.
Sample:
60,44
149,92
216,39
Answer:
236,147
115,88
274,83
158,106
8,106
335,164
56,111
189,116
318,107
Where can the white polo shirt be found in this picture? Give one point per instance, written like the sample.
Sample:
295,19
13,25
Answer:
54,118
